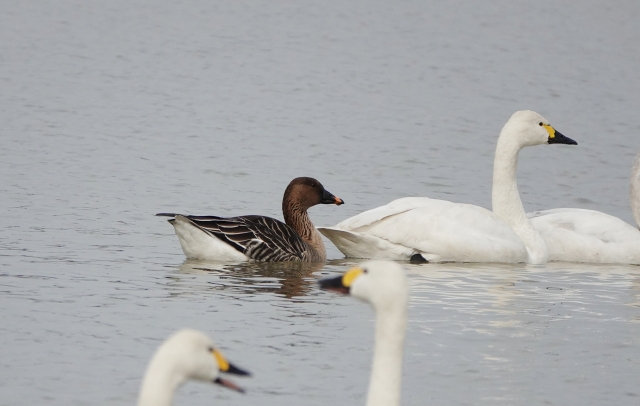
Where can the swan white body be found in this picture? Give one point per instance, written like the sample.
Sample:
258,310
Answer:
188,354
579,235
439,230
384,286
444,231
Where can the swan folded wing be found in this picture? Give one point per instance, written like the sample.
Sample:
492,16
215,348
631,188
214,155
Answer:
592,223
258,237
446,231
360,245
379,213
581,235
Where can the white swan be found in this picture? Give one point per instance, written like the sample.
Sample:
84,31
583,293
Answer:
384,286
420,228
188,354
579,235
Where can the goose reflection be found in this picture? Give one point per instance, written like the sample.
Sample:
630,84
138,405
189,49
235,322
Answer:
287,279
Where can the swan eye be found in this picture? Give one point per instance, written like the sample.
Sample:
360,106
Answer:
541,124
210,349
365,270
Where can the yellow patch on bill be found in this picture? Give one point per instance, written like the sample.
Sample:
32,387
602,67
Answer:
550,130
222,363
350,276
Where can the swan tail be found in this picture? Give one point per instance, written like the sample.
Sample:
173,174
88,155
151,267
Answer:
358,245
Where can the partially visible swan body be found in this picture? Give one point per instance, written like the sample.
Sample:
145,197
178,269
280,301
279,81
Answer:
579,235
259,238
442,231
384,286
188,354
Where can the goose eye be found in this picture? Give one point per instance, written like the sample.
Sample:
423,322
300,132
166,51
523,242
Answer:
210,349
541,124
365,270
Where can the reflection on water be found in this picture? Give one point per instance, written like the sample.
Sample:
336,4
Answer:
288,279
285,279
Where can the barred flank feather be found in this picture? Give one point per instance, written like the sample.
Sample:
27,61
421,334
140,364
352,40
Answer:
258,237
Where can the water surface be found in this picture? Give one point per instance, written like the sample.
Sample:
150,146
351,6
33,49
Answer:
113,111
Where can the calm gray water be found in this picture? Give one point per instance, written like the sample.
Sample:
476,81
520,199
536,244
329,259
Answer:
114,110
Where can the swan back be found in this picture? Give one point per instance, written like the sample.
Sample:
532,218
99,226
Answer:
635,190
186,355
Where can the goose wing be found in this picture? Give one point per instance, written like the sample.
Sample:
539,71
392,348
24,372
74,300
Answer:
258,237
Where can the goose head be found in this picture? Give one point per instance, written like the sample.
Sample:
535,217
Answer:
382,284
189,355
528,128
308,192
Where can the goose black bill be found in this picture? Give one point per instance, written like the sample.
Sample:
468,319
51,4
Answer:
329,198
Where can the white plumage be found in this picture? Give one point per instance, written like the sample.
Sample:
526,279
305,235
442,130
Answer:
580,235
186,355
384,286
440,230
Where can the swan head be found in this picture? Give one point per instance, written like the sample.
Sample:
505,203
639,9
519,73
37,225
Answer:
529,128
191,355
308,192
383,284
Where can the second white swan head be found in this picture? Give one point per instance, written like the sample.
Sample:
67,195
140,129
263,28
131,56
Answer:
380,283
383,285
528,128
186,355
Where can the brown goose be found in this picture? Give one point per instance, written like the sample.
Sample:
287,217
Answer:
259,238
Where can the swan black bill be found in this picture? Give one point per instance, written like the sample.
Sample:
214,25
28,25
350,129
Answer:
334,283
236,371
558,138
228,384
329,198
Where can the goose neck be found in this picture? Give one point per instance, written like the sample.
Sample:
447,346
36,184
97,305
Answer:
297,218
386,371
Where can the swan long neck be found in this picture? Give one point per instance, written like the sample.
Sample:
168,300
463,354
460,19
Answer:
297,218
159,384
506,198
635,190
386,372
